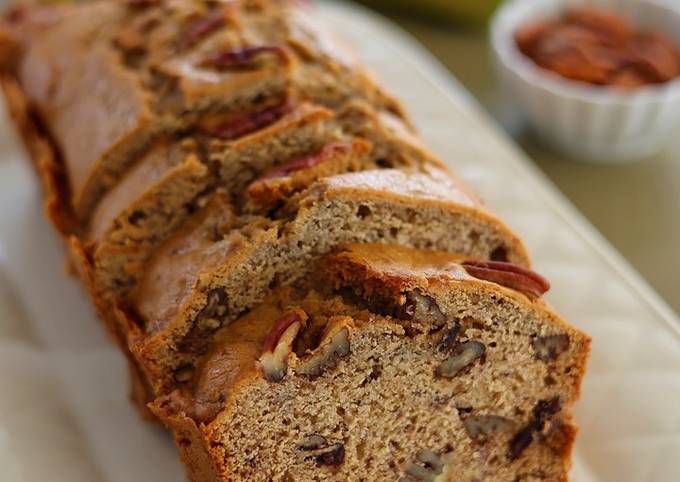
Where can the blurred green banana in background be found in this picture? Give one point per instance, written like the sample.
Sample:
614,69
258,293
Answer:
472,13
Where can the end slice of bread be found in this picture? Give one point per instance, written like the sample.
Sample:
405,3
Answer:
396,364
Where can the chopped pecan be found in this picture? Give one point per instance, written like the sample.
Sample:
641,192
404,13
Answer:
548,348
462,356
279,344
327,355
449,338
207,321
247,58
424,310
250,122
428,467
201,28
333,455
509,275
313,442
323,453
542,412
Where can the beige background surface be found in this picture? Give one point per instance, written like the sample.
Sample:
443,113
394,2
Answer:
636,206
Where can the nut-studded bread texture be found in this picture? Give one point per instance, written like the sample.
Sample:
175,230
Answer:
397,365
108,78
181,300
259,171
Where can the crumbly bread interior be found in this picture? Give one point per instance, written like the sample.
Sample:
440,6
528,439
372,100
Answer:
384,405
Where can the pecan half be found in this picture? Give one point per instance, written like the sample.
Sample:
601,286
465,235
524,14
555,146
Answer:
463,355
250,122
201,28
509,275
327,152
247,58
542,412
327,355
279,345
548,348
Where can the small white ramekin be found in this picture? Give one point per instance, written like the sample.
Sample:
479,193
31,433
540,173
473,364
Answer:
589,123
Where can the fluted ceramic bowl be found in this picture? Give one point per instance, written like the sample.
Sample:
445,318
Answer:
585,122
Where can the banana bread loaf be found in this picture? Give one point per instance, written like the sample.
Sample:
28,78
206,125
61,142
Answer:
204,160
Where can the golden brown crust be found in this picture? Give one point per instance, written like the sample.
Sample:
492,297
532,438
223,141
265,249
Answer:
44,155
191,443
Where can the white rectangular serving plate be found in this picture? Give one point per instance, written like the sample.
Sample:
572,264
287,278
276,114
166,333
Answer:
64,411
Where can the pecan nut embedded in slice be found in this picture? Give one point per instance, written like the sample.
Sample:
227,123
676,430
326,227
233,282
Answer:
509,275
313,442
248,123
247,58
423,310
327,355
548,348
201,28
322,452
449,338
333,455
542,412
479,427
327,152
279,344
463,354
184,373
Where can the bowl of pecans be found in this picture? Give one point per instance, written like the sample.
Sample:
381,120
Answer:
598,80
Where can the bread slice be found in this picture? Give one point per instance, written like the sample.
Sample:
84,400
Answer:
181,300
396,365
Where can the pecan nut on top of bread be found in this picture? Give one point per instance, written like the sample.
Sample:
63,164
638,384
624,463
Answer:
388,347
